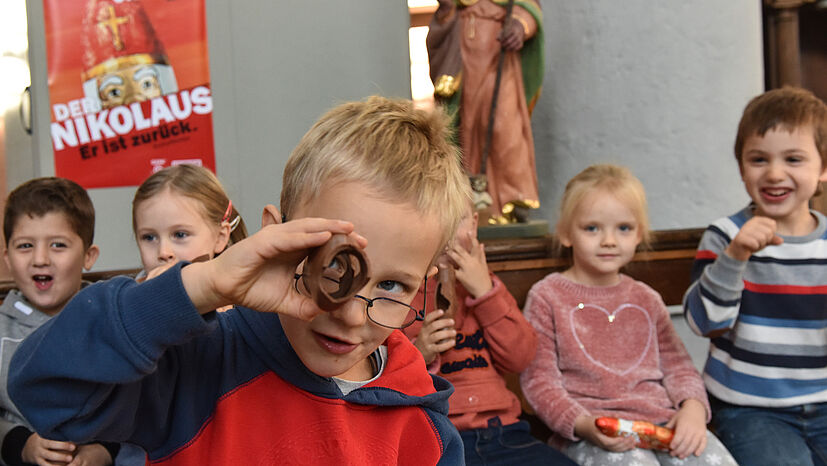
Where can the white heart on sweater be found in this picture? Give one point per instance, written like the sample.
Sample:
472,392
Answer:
612,333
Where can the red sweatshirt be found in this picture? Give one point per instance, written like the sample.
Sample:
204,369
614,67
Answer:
493,337
605,351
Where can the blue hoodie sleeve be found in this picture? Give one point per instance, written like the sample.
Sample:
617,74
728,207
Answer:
453,450
116,350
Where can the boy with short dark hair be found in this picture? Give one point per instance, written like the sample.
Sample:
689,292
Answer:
48,225
277,379
759,289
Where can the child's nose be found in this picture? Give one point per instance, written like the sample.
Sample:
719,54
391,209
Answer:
165,252
41,256
352,313
774,171
608,239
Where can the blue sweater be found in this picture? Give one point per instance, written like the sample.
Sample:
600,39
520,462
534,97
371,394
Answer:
137,362
766,317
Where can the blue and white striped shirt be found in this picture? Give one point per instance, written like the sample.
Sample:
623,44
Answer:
766,317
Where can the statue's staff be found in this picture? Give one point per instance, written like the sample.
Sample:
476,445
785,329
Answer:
479,182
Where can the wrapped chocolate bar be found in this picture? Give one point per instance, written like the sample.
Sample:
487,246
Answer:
646,434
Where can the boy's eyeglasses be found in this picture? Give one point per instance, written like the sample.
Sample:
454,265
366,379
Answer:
386,312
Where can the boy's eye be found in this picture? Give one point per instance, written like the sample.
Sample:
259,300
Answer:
58,244
794,159
590,228
180,234
392,286
626,228
148,237
24,246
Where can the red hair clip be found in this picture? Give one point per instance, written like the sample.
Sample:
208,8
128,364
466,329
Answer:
227,212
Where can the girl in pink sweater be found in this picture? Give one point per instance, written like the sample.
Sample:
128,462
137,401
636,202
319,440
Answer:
606,345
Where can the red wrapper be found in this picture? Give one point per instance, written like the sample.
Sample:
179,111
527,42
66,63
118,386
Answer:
646,434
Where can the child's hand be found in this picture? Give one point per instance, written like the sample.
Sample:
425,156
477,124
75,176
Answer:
471,268
258,272
157,271
755,235
437,335
41,451
93,454
690,429
585,428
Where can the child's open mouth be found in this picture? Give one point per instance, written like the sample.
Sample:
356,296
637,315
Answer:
334,345
775,194
42,282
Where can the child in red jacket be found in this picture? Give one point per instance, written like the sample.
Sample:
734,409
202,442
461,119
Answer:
474,332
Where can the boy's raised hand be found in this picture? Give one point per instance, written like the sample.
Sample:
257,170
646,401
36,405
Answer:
258,272
45,452
585,428
471,267
756,234
436,335
689,424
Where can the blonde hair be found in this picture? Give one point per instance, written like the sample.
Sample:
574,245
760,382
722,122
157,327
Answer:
198,184
614,179
403,153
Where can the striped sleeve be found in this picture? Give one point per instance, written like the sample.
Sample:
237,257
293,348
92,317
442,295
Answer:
713,300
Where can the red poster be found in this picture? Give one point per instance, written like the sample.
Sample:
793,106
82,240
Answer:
129,88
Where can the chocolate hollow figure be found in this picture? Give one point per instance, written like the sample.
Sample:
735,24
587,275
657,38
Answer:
335,272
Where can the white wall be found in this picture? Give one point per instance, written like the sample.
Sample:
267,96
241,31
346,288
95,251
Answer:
656,86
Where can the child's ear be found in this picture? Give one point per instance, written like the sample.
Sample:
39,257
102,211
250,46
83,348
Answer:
270,216
224,231
90,257
564,239
6,258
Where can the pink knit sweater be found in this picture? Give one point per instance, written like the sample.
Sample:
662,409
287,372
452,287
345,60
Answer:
604,351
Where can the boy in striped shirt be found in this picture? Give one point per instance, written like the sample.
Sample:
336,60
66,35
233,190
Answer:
759,289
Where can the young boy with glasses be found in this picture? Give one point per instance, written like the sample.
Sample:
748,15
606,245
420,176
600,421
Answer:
277,379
